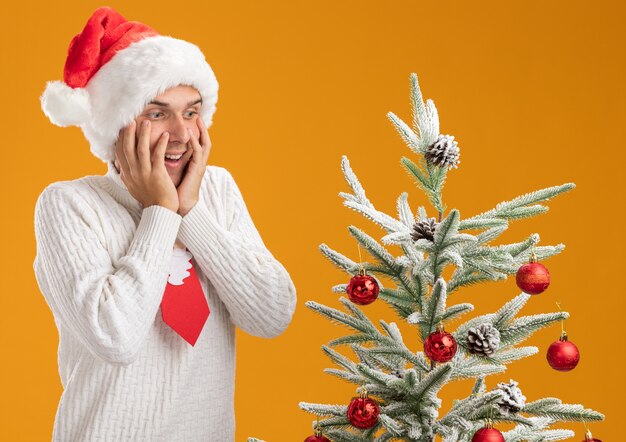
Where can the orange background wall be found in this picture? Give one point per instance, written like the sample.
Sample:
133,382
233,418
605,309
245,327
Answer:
533,91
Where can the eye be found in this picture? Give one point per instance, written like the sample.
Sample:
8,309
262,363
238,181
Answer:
190,114
155,114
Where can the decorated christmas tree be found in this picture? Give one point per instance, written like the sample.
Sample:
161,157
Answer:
398,379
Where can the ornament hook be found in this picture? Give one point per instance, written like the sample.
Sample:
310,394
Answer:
361,269
563,332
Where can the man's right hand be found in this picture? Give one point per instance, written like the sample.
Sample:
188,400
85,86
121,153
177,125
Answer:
145,175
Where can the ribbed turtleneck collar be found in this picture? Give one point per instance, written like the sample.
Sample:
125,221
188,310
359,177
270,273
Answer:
119,190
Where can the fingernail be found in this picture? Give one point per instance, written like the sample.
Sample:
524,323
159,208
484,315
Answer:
145,123
165,134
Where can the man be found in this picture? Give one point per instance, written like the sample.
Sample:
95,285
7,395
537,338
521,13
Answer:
148,269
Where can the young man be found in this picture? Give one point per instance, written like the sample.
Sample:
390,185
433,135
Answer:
148,269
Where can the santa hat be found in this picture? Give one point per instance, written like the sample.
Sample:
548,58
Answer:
114,68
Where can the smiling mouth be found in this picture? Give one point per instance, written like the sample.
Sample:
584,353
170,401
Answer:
173,162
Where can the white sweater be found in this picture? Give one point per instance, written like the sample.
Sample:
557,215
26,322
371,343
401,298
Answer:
102,265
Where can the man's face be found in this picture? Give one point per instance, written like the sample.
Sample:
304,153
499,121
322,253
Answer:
175,111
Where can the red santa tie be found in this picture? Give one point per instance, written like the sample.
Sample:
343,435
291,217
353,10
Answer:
184,307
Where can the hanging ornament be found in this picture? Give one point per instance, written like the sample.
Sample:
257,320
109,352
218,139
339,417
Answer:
363,412
488,434
590,438
533,277
363,289
317,437
440,345
563,355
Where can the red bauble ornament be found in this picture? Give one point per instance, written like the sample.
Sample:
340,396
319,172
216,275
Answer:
563,355
488,434
363,289
590,438
316,438
533,277
363,412
440,346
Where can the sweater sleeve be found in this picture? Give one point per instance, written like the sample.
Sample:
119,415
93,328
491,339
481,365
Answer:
254,286
107,304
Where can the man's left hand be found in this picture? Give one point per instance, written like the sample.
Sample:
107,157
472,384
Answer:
189,188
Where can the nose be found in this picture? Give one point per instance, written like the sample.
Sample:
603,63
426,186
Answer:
178,130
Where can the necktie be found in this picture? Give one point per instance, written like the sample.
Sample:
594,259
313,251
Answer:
184,307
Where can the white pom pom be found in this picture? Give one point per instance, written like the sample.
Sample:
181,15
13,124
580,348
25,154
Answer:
65,106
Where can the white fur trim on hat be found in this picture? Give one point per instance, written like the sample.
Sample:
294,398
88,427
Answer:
65,106
119,91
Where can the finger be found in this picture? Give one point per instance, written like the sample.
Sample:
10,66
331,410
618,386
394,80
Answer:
188,153
119,151
158,156
207,148
129,146
205,140
197,148
143,146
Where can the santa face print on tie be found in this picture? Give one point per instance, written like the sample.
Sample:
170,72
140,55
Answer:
184,306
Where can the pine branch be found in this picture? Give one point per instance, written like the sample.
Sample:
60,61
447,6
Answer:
513,354
561,412
353,182
345,375
454,311
470,276
378,360
473,366
434,309
340,359
392,267
431,188
490,234
479,386
520,329
394,427
338,317
508,311
437,176
402,352
534,429
524,433
516,208
465,407
375,249
409,137
481,223
405,215
433,381
324,410
339,260
425,118
351,339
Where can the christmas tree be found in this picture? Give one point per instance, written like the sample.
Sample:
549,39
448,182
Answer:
399,381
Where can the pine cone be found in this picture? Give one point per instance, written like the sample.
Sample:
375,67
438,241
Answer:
424,229
444,152
513,400
484,339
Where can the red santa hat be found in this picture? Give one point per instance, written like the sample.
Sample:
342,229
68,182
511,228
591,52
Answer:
114,68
